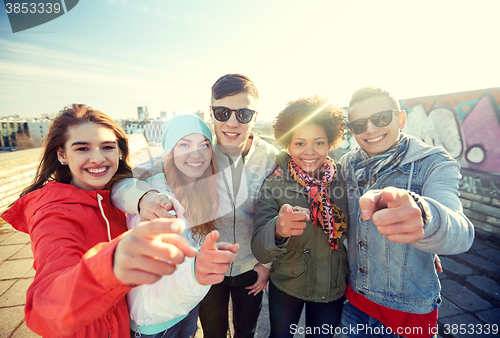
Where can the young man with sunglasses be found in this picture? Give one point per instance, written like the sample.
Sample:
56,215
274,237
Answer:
404,209
249,160
245,160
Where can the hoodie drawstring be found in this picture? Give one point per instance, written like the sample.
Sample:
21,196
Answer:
99,199
409,178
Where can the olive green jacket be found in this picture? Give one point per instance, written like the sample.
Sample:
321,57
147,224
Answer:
304,266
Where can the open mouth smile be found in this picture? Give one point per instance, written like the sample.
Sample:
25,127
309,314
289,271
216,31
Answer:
97,171
231,135
195,165
376,139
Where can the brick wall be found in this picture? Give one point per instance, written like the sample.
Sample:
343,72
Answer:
480,196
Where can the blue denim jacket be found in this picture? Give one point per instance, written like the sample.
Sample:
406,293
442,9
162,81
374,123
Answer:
401,276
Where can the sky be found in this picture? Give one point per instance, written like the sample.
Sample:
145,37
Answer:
116,55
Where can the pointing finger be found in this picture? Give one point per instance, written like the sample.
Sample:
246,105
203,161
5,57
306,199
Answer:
210,241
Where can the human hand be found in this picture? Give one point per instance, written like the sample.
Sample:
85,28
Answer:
437,263
154,205
151,250
395,214
262,279
291,221
214,259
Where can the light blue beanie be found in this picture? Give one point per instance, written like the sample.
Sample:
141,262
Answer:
180,126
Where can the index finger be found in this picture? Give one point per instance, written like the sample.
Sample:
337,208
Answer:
180,243
299,216
210,241
369,203
156,227
163,204
178,208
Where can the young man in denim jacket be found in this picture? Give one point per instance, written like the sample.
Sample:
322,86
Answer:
404,209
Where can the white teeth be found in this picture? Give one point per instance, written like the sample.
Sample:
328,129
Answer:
375,139
309,161
193,164
232,134
97,171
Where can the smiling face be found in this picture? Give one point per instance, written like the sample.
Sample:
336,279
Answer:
309,147
92,154
231,133
192,156
377,140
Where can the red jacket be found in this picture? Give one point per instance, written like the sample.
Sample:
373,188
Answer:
75,292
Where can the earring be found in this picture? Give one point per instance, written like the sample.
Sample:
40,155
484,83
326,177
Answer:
64,162
121,158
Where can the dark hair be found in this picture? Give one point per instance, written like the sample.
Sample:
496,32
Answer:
233,84
51,169
314,110
366,92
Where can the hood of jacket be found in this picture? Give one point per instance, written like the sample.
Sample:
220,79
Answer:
418,150
53,192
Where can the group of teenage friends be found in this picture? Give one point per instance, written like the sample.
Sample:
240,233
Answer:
220,218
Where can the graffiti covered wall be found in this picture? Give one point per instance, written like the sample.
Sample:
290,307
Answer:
466,124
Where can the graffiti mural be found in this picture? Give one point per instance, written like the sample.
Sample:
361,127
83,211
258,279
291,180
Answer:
482,135
438,127
466,124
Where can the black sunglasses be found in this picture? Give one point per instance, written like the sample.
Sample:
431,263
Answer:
222,114
380,119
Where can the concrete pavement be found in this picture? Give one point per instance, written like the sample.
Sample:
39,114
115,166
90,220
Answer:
470,288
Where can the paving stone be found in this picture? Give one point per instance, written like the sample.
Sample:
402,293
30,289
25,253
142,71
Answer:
263,323
7,251
455,267
480,262
486,284
30,273
17,238
491,254
472,326
24,332
491,316
463,297
10,318
16,295
5,284
448,309
5,235
15,268
23,253
476,245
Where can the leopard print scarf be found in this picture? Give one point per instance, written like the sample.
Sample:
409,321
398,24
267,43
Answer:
324,213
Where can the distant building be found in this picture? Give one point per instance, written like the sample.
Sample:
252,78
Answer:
142,113
15,132
37,130
163,114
